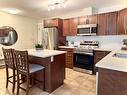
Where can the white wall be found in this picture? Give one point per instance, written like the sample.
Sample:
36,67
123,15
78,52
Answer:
25,27
108,42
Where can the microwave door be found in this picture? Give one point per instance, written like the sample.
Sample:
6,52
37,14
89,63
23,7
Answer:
83,31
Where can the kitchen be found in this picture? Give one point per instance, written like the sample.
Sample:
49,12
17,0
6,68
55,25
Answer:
105,32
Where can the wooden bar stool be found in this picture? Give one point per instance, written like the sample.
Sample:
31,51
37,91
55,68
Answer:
23,67
9,63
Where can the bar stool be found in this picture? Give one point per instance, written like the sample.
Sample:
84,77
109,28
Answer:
9,63
23,67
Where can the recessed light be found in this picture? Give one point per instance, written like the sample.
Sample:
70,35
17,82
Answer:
11,10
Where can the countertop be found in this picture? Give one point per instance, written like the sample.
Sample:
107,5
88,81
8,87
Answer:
114,63
100,49
66,47
106,49
44,53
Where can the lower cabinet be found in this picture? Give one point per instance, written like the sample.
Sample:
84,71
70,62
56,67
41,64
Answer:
69,57
98,55
111,82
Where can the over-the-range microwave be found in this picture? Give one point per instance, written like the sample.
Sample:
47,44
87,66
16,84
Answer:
88,29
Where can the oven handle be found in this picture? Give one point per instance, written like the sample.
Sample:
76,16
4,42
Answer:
91,54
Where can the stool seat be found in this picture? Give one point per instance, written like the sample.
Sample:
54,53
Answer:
34,68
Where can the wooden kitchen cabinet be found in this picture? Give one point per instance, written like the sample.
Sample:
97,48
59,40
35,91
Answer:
70,27
66,26
102,24
51,23
112,23
121,16
107,23
98,55
111,82
4,32
82,20
73,26
87,20
69,57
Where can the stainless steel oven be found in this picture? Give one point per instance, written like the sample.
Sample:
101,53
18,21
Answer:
83,62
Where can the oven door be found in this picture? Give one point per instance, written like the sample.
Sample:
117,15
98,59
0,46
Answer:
84,61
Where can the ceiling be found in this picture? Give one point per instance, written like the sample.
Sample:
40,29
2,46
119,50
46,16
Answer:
38,8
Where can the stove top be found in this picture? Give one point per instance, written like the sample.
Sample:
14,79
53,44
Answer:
87,47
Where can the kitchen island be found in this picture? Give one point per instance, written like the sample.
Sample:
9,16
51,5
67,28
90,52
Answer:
54,63
112,74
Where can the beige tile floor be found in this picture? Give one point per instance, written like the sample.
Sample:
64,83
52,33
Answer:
76,83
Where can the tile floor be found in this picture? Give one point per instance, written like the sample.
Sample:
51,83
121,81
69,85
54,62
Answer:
76,83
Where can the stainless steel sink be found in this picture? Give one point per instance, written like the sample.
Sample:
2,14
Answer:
120,55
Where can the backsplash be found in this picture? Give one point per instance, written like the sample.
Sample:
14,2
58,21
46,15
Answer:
110,42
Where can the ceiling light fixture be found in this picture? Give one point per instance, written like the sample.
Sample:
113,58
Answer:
53,4
11,10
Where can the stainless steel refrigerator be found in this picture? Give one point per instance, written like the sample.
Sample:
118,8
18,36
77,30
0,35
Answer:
50,38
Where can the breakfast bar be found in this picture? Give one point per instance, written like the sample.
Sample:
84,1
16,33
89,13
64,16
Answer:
54,63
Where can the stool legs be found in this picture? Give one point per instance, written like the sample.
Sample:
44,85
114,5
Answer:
27,89
18,84
13,81
7,77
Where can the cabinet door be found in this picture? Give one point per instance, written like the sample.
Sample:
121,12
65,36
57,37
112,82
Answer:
112,23
121,16
82,20
102,24
88,20
51,23
1,31
92,19
47,23
98,55
66,27
73,26
54,22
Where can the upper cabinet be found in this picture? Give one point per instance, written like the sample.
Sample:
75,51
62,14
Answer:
112,23
107,23
66,27
73,26
87,20
3,32
70,26
121,16
51,23
102,24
